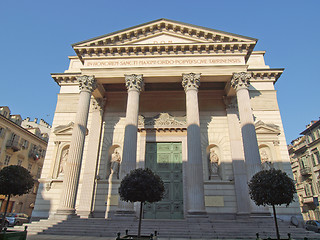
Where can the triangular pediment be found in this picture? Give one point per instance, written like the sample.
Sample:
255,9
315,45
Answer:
164,38
64,129
263,128
163,30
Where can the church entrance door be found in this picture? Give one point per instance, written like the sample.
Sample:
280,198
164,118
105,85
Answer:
165,159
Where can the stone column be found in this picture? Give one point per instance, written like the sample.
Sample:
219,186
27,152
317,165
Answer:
240,82
195,194
91,159
238,163
73,165
134,84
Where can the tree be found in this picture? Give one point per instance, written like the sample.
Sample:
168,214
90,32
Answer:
141,185
14,180
272,187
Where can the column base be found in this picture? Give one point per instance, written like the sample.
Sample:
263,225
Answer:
64,214
85,214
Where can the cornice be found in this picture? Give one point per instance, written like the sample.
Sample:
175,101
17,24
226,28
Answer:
65,78
266,74
243,48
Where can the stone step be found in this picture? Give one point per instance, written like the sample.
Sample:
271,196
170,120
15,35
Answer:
167,228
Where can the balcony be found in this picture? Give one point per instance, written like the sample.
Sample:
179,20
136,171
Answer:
13,144
305,171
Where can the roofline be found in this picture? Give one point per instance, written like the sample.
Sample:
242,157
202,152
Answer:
162,19
24,129
317,123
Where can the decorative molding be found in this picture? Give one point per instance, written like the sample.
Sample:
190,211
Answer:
87,83
134,82
162,121
191,81
241,80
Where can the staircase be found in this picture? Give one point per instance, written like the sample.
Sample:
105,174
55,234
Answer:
211,229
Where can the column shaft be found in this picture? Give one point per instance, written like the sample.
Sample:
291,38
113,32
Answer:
73,164
134,84
195,183
241,81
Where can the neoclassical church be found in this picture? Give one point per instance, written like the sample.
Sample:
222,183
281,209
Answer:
196,105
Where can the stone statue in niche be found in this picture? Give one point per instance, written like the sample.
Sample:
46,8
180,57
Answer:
63,160
115,164
213,164
265,161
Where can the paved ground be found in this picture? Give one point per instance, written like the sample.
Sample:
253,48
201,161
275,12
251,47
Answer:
63,237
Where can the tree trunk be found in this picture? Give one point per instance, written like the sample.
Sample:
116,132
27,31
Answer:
275,221
5,213
140,218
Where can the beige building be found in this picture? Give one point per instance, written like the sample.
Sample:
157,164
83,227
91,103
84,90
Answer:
305,163
196,105
19,146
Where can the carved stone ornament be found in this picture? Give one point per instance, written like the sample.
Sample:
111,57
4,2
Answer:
231,103
191,81
160,121
241,80
134,82
98,103
87,83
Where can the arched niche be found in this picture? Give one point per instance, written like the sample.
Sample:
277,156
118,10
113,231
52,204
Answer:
266,156
61,159
114,161
213,154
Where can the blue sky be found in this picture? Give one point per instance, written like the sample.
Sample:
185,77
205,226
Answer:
36,38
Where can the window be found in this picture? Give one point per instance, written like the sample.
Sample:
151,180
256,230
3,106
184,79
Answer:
19,162
24,143
308,190
7,160
2,132
29,167
39,172
316,156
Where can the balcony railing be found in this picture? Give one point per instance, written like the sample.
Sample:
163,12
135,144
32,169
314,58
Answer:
13,144
305,171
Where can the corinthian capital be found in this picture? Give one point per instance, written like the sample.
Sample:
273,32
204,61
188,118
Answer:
190,81
87,83
134,82
241,80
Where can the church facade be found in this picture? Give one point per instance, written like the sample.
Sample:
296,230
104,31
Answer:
196,105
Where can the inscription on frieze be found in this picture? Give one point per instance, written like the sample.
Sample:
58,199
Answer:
163,62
